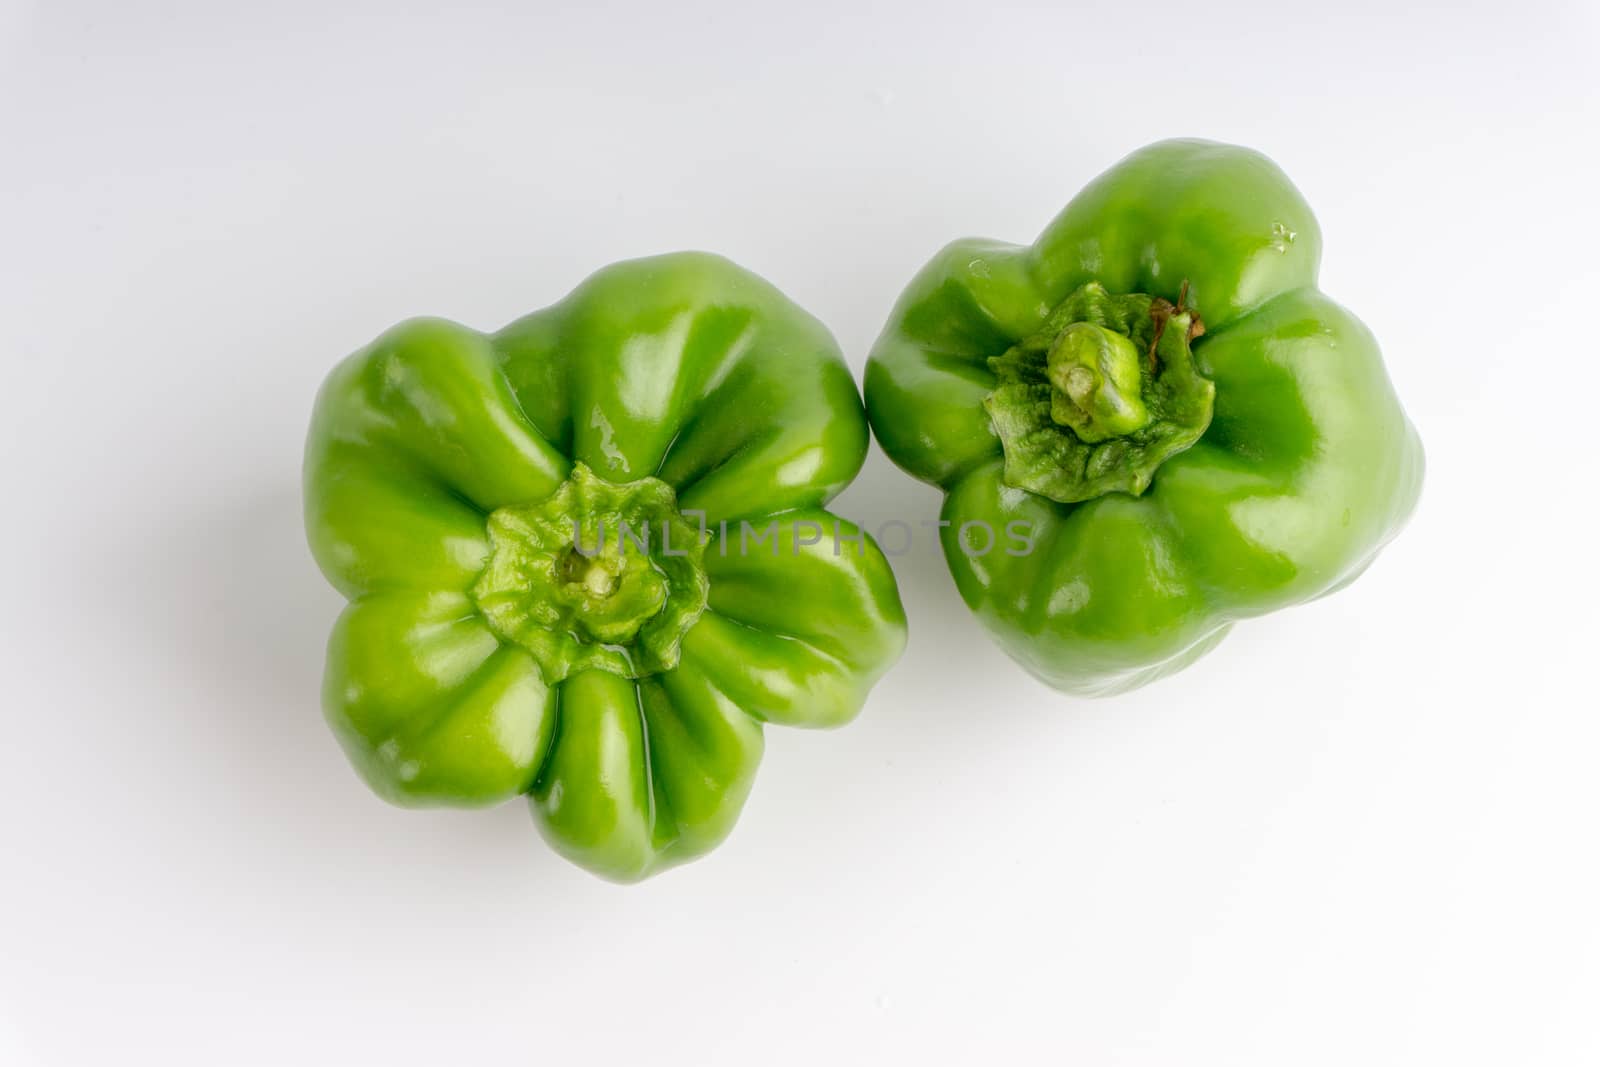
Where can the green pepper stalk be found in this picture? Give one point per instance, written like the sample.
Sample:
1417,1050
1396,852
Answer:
1096,399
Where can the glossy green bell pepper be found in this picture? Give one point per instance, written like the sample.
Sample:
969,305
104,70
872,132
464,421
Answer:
1156,392
587,556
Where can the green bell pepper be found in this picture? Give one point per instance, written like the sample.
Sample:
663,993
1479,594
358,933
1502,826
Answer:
587,556
1155,392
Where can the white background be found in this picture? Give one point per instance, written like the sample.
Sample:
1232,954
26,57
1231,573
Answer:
1362,832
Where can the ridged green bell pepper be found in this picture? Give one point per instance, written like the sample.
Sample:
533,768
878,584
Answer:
1157,392
587,556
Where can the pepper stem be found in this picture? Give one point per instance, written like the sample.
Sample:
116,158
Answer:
1100,396
1096,381
621,606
